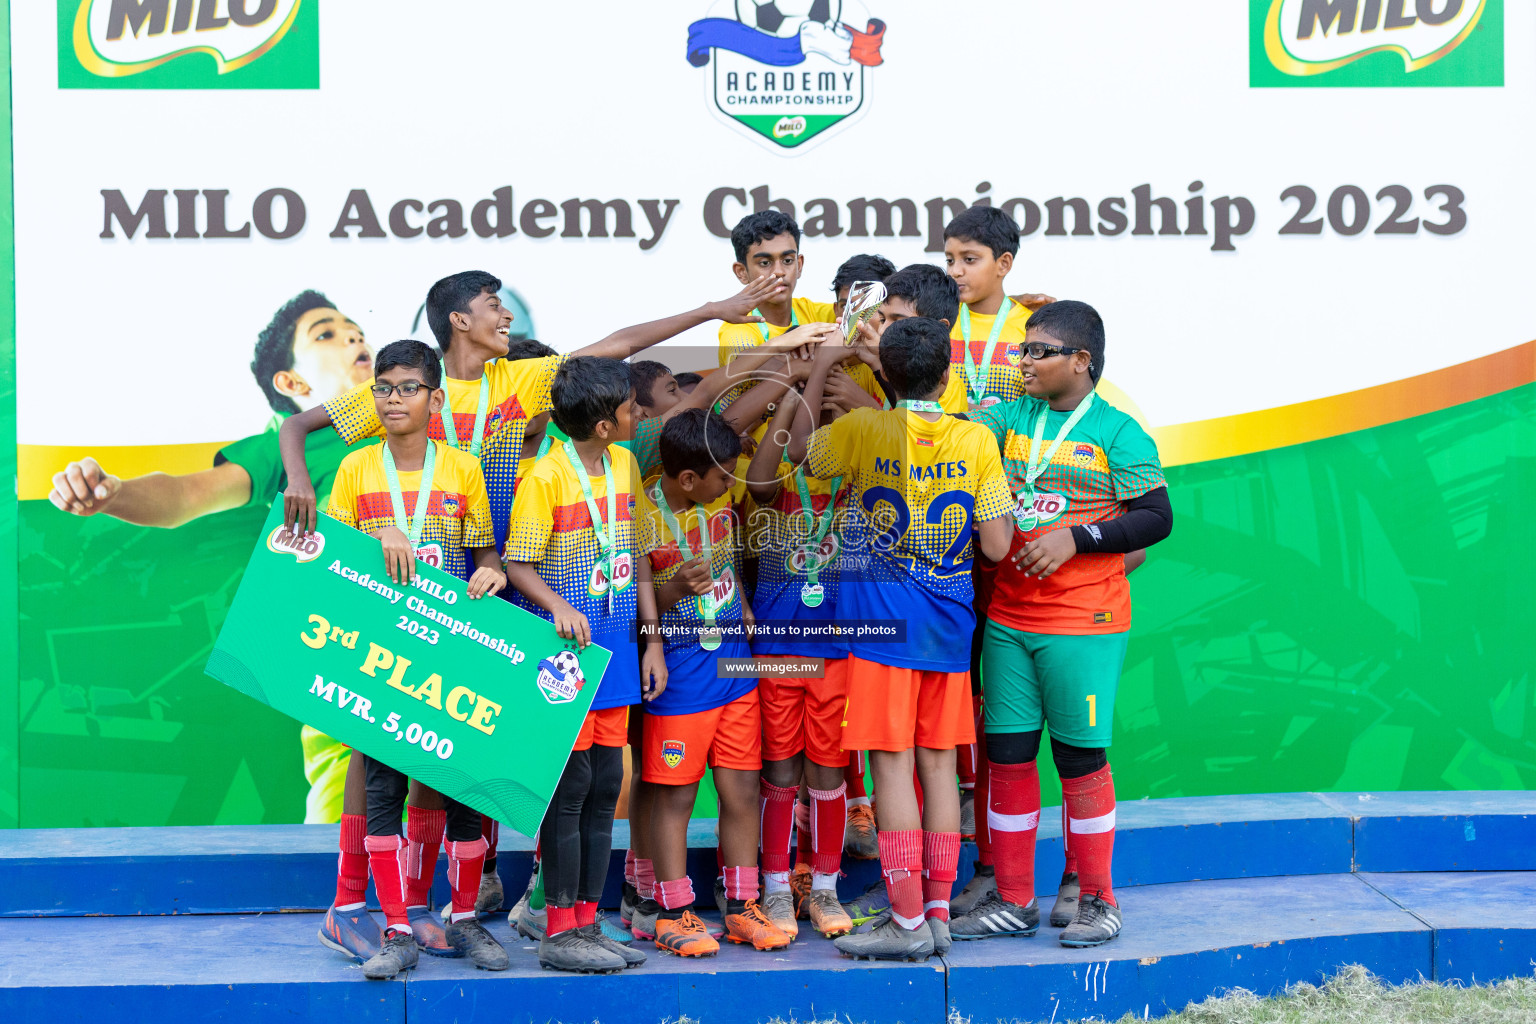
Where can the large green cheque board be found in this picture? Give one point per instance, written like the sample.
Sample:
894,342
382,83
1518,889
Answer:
478,699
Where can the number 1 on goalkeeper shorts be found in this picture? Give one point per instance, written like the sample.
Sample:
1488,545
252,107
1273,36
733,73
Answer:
1093,710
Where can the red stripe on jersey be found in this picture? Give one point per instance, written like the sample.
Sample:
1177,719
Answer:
787,502
379,505
464,422
979,350
567,518
720,525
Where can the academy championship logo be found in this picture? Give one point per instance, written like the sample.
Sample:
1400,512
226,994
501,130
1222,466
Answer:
560,678
188,44
1376,42
788,70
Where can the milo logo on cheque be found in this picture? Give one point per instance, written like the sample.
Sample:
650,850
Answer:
305,548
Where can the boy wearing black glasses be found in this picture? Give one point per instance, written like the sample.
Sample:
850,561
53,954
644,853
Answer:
1089,491
424,502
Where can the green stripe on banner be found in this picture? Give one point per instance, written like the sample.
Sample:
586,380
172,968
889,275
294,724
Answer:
10,697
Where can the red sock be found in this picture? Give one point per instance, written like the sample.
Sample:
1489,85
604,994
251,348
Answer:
386,859
741,883
586,913
1066,841
901,862
466,863
803,844
941,861
983,786
561,919
1090,804
853,776
629,868
776,804
829,815
424,833
1013,817
645,878
352,865
965,765
676,894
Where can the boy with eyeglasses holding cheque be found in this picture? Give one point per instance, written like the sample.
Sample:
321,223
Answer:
1089,490
422,500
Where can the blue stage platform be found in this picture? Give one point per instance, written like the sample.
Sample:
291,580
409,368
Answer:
1257,892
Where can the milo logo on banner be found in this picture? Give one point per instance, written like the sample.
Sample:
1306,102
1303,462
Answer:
787,70
188,44
1375,43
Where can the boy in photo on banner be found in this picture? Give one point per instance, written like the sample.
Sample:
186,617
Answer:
423,501
307,354
926,489
1089,491
687,528
571,557
794,532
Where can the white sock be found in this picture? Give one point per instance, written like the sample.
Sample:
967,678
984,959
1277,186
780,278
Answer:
351,908
858,801
820,881
456,918
400,929
775,881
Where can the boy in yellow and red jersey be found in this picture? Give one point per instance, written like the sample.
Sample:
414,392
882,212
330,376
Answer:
687,527
1090,491
571,556
424,502
767,247
926,490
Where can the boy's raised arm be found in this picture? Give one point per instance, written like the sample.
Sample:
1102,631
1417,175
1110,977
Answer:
299,496
737,309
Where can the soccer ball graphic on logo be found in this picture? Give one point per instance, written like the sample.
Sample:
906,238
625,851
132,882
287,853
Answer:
560,677
782,18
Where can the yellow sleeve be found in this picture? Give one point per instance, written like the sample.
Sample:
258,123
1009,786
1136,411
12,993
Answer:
478,531
827,453
342,506
736,338
353,414
815,312
528,379
864,377
532,519
993,498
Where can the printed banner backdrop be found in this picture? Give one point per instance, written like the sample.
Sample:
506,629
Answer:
1305,231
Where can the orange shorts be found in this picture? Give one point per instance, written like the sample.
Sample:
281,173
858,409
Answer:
606,728
678,747
803,715
893,708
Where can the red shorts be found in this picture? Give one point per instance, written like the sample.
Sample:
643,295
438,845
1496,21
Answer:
678,747
606,728
893,708
804,715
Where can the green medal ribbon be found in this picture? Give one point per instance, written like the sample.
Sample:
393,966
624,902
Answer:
762,325
1040,461
919,405
451,433
811,595
709,639
606,542
977,377
412,527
